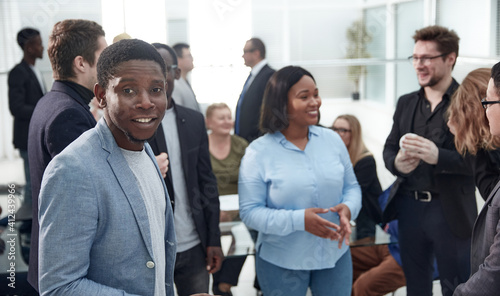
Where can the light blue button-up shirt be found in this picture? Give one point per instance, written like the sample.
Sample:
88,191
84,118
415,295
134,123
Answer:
278,181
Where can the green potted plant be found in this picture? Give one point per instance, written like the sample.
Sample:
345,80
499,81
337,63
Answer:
358,39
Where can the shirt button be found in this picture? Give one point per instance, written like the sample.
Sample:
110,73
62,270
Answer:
150,264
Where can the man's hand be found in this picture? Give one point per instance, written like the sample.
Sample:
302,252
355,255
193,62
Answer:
404,163
214,259
318,226
162,160
345,225
419,147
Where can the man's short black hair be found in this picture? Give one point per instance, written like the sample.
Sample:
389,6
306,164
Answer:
495,74
169,49
178,48
258,45
26,35
123,51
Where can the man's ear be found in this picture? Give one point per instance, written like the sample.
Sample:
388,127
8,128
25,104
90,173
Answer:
452,57
177,74
100,95
79,64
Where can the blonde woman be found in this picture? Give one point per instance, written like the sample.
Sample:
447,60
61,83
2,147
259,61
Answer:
226,151
349,130
375,269
467,121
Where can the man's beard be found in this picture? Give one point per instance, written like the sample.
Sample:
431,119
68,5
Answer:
138,141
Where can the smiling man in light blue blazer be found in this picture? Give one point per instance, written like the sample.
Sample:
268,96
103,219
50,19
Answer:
106,224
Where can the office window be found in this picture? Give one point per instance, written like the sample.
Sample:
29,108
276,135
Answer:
472,23
375,79
406,80
177,31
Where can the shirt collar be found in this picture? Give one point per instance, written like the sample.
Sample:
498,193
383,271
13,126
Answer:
86,94
449,92
280,138
256,69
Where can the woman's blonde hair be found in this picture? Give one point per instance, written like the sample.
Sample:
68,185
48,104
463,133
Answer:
467,114
357,149
212,107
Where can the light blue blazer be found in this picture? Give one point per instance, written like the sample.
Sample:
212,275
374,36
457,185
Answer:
94,231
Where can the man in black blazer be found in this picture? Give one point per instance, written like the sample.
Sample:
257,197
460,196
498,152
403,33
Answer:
25,90
246,124
63,114
192,188
434,194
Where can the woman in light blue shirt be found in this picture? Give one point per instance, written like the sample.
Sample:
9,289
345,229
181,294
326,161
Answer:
297,188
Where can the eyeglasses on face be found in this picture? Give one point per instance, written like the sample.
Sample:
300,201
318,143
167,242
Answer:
341,130
486,103
171,67
425,60
249,50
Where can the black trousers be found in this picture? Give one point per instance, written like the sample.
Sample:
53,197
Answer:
424,235
190,274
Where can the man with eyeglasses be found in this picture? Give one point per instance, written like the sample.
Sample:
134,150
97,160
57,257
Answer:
434,194
485,259
191,185
246,123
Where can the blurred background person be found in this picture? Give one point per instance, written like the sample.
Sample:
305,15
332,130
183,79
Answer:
365,169
467,121
26,87
226,151
121,36
297,188
63,114
248,107
376,270
183,92
191,185
485,255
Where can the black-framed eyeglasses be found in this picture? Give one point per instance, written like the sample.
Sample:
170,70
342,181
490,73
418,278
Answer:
487,103
249,50
341,130
172,67
425,60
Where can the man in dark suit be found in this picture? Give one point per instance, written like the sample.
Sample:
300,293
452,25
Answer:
192,188
434,194
26,87
63,114
485,255
246,124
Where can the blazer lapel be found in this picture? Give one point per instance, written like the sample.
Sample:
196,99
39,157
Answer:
33,76
183,140
161,145
127,181
412,108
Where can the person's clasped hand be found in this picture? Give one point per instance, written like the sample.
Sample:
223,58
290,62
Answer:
415,146
345,222
319,226
162,160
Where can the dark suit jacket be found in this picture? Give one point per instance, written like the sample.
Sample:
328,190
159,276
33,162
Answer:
366,174
59,118
453,179
24,93
200,180
485,252
249,115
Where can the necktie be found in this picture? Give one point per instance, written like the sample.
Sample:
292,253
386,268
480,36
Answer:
238,107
